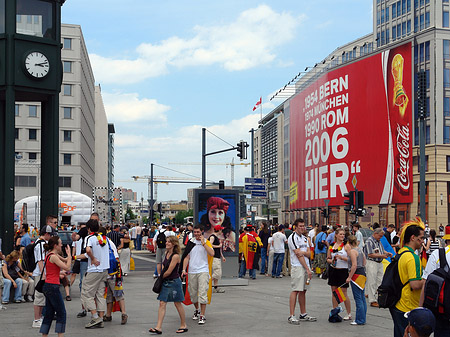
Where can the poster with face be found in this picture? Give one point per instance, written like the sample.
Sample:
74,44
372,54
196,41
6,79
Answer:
217,211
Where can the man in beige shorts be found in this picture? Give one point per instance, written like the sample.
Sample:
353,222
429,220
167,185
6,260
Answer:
300,252
198,277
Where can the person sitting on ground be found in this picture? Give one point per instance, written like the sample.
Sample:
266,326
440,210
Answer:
12,277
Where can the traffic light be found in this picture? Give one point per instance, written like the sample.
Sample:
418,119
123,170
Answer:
160,208
325,212
422,94
113,214
359,202
350,201
242,150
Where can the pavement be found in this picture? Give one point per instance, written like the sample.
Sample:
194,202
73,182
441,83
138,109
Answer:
259,309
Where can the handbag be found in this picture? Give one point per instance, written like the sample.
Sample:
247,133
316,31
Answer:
157,286
40,285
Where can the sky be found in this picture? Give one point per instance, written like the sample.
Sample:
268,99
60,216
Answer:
169,68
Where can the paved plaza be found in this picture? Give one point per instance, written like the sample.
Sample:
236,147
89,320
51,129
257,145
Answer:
259,309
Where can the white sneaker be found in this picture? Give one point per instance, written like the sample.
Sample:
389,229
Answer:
202,319
37,323
353,323
348,317
293,320
2,307
195,315
307,318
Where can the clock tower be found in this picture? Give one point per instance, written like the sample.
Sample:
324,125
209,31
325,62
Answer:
30,71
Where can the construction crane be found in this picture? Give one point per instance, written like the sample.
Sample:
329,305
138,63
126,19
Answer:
232,165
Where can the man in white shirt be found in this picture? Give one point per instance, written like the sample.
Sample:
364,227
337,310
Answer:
300,252
93,287
358,234
312,232
39,257
196,256
279,239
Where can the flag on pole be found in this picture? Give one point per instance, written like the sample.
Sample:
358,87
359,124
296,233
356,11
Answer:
423,258
257,104
359,281
339,295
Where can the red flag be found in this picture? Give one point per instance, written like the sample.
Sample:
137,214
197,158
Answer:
257,104
339,295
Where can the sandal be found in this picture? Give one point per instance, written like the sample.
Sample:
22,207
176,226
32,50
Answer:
182,330
68,298
155,331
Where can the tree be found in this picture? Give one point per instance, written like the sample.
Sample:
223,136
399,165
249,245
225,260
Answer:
179,218
129,215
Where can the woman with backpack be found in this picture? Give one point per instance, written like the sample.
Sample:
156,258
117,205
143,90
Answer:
172,290
356,266
54,303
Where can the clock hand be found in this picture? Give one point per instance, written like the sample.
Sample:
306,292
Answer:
41,64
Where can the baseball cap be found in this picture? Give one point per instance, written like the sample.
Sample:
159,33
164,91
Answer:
422,320
218,227
47,229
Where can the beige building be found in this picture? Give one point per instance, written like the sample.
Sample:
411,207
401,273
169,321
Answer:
426,25
83,127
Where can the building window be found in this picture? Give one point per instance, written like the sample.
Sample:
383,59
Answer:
67,43
67,66
446,78
67,112
394,11
387,14
67,158
427,134
445,19
32,134
446,49
67,89
446,106
408,26
16,136
387,36
382,16
65,181
416,24
422,21
448,163
32,155
16,110
403,28
408,5
416,161
427,19
403,7
32,110
394,33
67,135
446,134
25,181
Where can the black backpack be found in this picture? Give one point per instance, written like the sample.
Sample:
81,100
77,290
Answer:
28,260
390,290
437,289
161,240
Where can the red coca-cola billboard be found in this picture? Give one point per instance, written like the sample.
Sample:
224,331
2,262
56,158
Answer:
354,123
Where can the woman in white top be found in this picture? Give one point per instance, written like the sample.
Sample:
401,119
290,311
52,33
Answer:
338,271
270,252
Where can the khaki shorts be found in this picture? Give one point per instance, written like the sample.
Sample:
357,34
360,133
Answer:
298,278
198,285
160,255
217,269
39,299
111,284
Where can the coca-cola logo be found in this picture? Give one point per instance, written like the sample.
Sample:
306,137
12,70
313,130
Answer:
403,156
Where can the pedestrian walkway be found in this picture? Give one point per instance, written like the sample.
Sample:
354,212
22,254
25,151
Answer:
259,309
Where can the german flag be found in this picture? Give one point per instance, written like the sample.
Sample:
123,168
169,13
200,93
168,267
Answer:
359,281
423,258
339,295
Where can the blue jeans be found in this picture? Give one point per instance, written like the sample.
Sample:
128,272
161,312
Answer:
53,303
83,269
277,264
243,271
7,288
139,242
400,322
264,260
361,304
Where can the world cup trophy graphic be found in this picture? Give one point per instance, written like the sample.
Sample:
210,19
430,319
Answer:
400,98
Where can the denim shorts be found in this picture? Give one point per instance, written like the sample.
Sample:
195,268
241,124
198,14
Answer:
171,291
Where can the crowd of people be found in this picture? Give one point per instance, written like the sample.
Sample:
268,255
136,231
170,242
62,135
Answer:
193,257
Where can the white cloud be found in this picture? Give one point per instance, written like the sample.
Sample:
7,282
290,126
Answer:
250,41
129,107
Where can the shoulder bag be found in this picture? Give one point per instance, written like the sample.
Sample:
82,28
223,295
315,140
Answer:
159,281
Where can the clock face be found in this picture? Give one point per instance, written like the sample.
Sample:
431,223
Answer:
37,64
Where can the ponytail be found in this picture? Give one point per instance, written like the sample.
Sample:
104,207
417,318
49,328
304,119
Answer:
54,240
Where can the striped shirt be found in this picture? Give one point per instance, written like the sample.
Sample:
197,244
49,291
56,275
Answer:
115,237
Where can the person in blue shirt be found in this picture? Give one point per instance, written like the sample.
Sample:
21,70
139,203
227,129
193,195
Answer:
25,238
330,237
320,253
